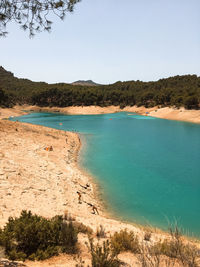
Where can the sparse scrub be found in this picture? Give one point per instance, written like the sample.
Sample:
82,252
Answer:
186,254
152,258
103,256
125,241
34,237
147,235
172,247
101,232
1,241
68,238
190,256
79,260
69,217
82,228
147,259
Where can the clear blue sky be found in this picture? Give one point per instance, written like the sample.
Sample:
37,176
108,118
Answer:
108,41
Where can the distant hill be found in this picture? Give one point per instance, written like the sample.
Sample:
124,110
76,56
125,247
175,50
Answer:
175,91
5,73
85,83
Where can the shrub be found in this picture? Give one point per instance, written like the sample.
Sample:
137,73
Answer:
68,216
147,236
175,248
185,255
147,258
101,232
124,241
122,106
34,237
69,238
171,248
191,102
153,258
80,261
17,255
5,101
82,228
103,256
1,232
190,256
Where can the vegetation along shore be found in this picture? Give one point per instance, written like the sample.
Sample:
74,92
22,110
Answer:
178,91
176,98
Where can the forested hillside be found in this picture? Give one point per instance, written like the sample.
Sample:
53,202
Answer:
174,91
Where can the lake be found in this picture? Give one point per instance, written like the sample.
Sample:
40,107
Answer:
148,169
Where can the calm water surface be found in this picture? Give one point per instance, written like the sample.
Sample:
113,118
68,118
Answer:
148,168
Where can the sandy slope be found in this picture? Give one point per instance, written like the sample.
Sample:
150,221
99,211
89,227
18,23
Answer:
46,182
177,114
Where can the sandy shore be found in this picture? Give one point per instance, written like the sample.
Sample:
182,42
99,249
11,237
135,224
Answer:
163,113
46,182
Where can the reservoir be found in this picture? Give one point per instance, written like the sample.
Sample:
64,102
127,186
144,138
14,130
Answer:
148,169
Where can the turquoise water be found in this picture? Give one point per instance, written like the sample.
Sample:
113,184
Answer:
148,168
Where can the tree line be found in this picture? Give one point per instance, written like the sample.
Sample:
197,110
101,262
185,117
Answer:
175,91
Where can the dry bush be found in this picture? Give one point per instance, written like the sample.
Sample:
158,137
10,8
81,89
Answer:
147,235
125,241
153,258
146,258
103,256
82,228
79,260
190,256
101,232
68,217
185,254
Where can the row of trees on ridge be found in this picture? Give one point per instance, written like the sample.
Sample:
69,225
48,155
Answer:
174,91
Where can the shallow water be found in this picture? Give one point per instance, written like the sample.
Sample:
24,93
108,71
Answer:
148,168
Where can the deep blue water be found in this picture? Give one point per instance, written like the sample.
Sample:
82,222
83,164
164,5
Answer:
148,168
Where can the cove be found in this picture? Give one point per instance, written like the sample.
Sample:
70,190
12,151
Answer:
148,169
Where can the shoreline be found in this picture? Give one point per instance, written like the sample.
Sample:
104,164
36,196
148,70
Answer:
169,113
98,193
18,111
78,175
97,190
59,173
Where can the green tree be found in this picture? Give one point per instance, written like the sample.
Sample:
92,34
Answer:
4,99
176,91
33,15
191,102
34,237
